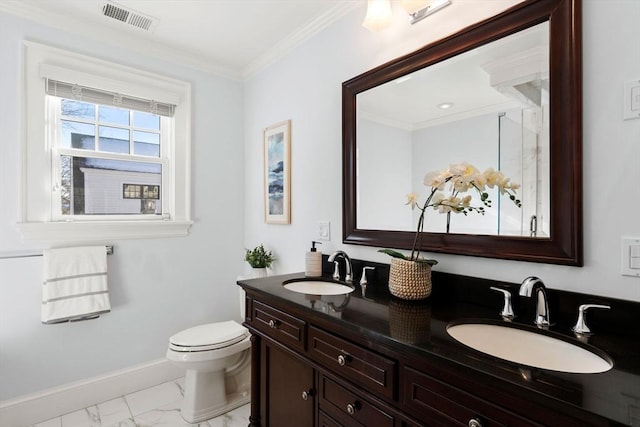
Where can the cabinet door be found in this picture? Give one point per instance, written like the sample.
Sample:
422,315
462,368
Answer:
287,385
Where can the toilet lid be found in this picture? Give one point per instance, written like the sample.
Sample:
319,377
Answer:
208,337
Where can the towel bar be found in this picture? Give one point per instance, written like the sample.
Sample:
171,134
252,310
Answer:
10,255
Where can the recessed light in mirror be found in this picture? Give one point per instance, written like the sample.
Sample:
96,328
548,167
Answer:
445,105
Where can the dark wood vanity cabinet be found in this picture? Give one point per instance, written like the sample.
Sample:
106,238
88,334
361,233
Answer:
309,377
313,372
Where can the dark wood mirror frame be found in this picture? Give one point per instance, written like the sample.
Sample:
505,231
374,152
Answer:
565,79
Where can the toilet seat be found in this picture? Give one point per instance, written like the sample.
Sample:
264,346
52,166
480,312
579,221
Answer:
212,336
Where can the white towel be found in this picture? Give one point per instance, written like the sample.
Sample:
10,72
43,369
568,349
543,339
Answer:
75,284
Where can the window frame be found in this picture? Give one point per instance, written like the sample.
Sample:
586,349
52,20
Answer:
38,219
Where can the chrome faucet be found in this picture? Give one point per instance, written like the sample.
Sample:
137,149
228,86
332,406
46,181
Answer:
533,284
348,275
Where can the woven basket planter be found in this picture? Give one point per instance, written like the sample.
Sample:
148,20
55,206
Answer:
409,280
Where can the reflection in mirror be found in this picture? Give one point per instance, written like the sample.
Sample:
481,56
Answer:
489,107
524,66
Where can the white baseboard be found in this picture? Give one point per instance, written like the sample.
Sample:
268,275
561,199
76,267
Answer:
54,402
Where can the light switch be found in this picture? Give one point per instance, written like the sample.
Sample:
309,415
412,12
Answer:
634,257
631,256
631,100
635,98
324,230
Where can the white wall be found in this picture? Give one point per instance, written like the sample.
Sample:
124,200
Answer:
306,86
381,200
157,286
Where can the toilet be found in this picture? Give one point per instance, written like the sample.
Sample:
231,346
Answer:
217,359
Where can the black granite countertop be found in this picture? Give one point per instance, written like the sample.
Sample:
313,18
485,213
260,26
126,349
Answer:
420,328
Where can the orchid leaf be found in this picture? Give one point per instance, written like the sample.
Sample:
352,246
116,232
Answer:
431,262
392,253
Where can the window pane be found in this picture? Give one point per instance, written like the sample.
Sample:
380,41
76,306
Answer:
118,116
146,120
93,186
114,140
146,143
77,135
77,109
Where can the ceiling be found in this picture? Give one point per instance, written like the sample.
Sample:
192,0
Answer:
504,74
230,37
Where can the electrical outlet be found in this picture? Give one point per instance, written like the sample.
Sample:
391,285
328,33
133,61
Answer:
324,230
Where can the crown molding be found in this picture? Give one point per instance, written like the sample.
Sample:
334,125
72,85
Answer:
119,38
286,45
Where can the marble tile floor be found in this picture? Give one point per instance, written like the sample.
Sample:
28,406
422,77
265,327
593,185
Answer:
153,407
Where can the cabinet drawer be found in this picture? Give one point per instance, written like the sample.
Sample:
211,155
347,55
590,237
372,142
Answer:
325,420
348,408
376,373
426,397
280,326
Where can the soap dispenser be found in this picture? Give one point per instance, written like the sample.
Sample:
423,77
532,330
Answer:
313,261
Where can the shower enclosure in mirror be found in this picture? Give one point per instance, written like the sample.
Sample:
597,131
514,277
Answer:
504,93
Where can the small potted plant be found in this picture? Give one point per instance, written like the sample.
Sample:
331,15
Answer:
259,259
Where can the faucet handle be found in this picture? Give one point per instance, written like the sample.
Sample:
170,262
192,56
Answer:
363,278
336,271
581,327
507,310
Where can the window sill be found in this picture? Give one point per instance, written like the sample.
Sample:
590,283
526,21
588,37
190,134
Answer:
89,231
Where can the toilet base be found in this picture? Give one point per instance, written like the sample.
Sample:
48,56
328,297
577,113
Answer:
197,406
233,401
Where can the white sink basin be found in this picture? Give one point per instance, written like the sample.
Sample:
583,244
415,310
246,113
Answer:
529,348
317,287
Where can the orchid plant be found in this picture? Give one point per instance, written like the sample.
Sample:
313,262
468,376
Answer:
457,180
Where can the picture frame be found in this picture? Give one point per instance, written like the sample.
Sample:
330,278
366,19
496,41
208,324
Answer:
277,173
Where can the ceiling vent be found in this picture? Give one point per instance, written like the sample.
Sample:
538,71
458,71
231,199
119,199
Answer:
128,16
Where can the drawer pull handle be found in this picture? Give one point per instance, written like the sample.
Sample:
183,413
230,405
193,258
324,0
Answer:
474,422
306,394
342,360
353,407
273,324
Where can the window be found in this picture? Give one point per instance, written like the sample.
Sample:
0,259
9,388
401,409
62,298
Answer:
106,150
97,147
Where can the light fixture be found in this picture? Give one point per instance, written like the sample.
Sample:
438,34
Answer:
413,6
420,9
378,15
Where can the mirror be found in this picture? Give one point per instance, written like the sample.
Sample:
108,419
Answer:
517,107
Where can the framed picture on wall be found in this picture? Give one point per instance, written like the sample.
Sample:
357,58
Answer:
277,173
